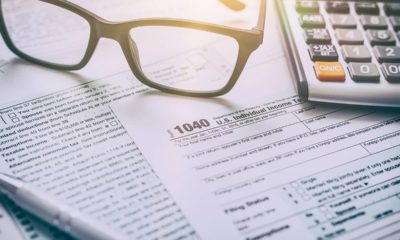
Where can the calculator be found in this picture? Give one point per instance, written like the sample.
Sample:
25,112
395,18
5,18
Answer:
344,51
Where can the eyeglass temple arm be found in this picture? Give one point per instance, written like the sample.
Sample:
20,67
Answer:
234,4
237,5
262,16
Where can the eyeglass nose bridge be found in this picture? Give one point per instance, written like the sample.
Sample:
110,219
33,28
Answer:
109,30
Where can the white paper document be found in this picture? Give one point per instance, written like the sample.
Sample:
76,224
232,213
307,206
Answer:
273,169
8,229
58,132
241,166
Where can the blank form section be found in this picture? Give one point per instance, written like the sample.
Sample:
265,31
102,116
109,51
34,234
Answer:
309,111
286,181
235,155
335,117
239,185
385,141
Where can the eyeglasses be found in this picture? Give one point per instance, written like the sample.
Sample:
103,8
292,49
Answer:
181,57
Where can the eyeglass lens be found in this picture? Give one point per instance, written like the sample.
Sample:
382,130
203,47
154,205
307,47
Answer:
46,32
185,59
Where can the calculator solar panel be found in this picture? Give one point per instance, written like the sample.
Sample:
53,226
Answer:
344,51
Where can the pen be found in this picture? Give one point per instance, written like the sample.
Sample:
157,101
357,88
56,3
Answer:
54,212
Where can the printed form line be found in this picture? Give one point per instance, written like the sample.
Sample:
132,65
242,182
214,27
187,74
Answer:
323,171
287,139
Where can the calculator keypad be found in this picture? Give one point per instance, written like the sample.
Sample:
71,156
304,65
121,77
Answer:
366,8
313,36
337,7
353,37
330,71
392,72
387,54
395,21
364,72
343,21
392,8
307,6
345,51
373,22
352,33
323,52
356,54
312,21
381,37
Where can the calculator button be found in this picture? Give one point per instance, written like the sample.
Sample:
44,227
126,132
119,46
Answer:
323,52
391,72
312,21
387,54
373,22
392,8
337,7
367,8
350,37
307,7
330,71
343,21
317,35
356,54
381,37
364,72
395,21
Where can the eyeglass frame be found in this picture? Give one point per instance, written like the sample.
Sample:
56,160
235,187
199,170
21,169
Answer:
248,39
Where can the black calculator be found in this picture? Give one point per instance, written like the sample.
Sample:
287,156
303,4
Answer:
344,51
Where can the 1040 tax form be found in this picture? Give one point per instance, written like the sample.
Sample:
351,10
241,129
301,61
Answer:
241,166
274,169
58,132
